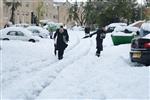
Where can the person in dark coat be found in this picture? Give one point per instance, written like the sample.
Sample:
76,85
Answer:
101,33
61,38
87,30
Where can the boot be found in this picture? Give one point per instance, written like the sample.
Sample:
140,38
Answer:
97,54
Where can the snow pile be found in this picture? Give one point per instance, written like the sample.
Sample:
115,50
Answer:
123,28
115,25
121,31
123,34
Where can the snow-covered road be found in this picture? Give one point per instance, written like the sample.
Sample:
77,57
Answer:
31,71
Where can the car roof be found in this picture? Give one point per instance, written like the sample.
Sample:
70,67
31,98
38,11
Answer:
38,28
25,31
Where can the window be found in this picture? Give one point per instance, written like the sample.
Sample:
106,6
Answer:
27,5
35,31
12,33
19,33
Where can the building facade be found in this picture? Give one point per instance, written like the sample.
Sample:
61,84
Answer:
42,9
147,13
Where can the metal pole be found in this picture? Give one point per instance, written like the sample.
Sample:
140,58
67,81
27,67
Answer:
141,10
58,12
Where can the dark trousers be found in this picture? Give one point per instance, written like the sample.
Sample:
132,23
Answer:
60,53
98,51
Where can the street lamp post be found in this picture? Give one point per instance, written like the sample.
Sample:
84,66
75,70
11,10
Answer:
58,12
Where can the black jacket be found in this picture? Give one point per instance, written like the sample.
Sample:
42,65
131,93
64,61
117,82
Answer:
99,38
61,39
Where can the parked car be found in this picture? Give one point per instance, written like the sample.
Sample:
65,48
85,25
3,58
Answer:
145,29
140,46
38,31
112,26
140,50
127,30
17,33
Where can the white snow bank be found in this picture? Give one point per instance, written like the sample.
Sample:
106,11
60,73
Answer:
123,34
129,28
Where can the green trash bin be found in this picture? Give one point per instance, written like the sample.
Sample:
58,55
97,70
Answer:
117,40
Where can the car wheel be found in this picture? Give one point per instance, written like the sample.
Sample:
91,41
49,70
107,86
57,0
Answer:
5,39
32,40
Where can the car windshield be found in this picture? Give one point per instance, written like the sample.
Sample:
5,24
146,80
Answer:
146,32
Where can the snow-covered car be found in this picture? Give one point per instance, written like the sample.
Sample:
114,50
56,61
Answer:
17,33
127,29
38,31
140,50
145,29
112,26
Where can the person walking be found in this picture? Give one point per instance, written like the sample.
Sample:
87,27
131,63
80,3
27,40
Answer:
61,38
101,33
87,30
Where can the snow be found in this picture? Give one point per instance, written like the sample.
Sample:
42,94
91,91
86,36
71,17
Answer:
122,28
137,22
5,30
123,34
31,71
42,32
38,28
147,36
120,31
116,24
146,26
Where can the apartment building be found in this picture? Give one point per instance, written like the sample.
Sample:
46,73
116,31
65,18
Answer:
43,9
1,13
147,13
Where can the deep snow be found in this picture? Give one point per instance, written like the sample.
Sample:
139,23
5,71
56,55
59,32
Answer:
31,71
